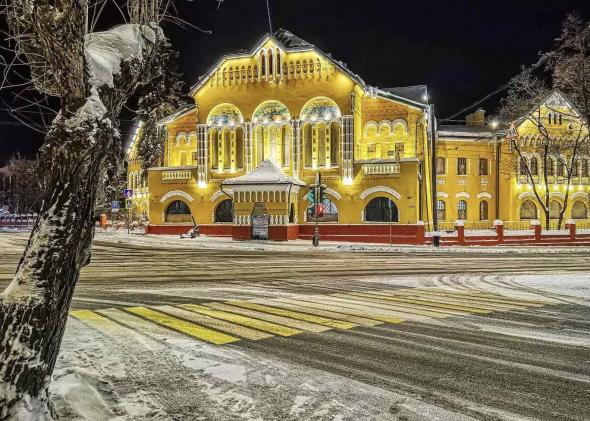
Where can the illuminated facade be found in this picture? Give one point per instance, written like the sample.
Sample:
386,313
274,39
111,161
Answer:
266,121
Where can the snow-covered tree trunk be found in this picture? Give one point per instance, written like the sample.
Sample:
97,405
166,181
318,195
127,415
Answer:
34,307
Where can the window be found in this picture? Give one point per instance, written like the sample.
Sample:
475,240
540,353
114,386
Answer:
576,168
554,209
441,166
307,143
579,210
334,143
441,210
381,209
483,210
528,210
461,166
534,166
585,168
522,167
462,210
224,211
330,212
560,167
550,166
483,166
178,211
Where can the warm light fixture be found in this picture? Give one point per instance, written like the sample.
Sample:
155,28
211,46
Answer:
494,124
347,181
202,184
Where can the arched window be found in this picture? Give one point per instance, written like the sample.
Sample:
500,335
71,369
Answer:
226,141
528,210
554,209
320,108
334,143
576,168
224,211
224,115
522,167
259,144
286,135
307,139
483,210
178,211
330,212
550,166
585,168
381,209
441,166
279,67
462,210
321,145
579,210
534,166
262,65
441,210
271,64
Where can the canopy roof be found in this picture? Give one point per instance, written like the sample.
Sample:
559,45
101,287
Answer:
266,173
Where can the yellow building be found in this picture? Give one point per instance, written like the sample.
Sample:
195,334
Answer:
266,122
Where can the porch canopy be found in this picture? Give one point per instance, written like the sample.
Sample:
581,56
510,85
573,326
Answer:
267,173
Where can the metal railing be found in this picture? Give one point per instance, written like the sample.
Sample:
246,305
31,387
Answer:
169,175
18,221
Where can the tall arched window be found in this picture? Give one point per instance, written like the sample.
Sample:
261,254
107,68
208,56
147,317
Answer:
286,135
334,143
226,142
262,65
271,66
214,145
321,145
560,167
579,210
483,210
224,211
534,166
528,210
239,148
576,168
441,210
177,211
307,147
522,167
585,168
554,209
279,67
381,209
462,210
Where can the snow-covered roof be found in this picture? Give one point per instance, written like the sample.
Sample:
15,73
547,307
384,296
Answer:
266,173
465,131
416,93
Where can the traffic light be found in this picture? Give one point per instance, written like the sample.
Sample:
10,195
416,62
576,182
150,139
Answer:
319,212
322,193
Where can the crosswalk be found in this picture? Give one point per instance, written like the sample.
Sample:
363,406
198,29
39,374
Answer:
231,321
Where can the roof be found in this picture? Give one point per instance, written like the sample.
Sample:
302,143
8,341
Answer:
465,131
416,93
266,173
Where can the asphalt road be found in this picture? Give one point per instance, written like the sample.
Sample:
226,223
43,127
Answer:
522,359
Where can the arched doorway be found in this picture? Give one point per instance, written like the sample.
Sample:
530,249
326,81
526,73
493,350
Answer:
177,211
528,210
224,211
381,209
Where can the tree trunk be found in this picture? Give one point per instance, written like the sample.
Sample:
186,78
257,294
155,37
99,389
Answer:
34,307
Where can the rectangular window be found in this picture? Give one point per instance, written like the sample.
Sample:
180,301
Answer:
441,166
483,166
461,166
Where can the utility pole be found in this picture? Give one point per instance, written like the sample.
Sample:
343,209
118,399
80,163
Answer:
316,197
432,121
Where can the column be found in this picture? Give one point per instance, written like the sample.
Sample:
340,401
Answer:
296,147
202,154
347,147
248,132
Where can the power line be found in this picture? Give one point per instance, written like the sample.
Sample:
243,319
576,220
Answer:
475,104
269,21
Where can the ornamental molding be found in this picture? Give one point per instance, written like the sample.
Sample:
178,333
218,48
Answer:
579,194
176,193
219,193
442,194
333,193
380,189
484,194
557,194
525,195
462,194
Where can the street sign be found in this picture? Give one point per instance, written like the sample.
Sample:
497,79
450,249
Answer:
115,205
128,203
260,222
128,193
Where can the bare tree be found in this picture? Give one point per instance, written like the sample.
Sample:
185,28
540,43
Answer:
559,84
20,187
92,74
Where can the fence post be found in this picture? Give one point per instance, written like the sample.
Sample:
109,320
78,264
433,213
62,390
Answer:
460,227
499,226
536,226
420,233
571,226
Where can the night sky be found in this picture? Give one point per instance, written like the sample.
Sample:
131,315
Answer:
461,49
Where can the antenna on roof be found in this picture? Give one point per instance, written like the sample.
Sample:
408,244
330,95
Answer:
269,22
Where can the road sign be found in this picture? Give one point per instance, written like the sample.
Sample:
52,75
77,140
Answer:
115,205
128,193
128,203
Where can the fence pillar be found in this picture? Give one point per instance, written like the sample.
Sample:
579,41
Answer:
460,228
499,226
571,226
536,226
421,233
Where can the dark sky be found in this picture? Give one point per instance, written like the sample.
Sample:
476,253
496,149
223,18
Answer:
461,49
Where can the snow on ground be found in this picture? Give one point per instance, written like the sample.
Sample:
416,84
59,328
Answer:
174,241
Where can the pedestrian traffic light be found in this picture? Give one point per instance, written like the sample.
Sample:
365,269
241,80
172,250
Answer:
322,193
319,210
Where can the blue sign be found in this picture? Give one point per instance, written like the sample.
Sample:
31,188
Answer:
115,205
128,193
